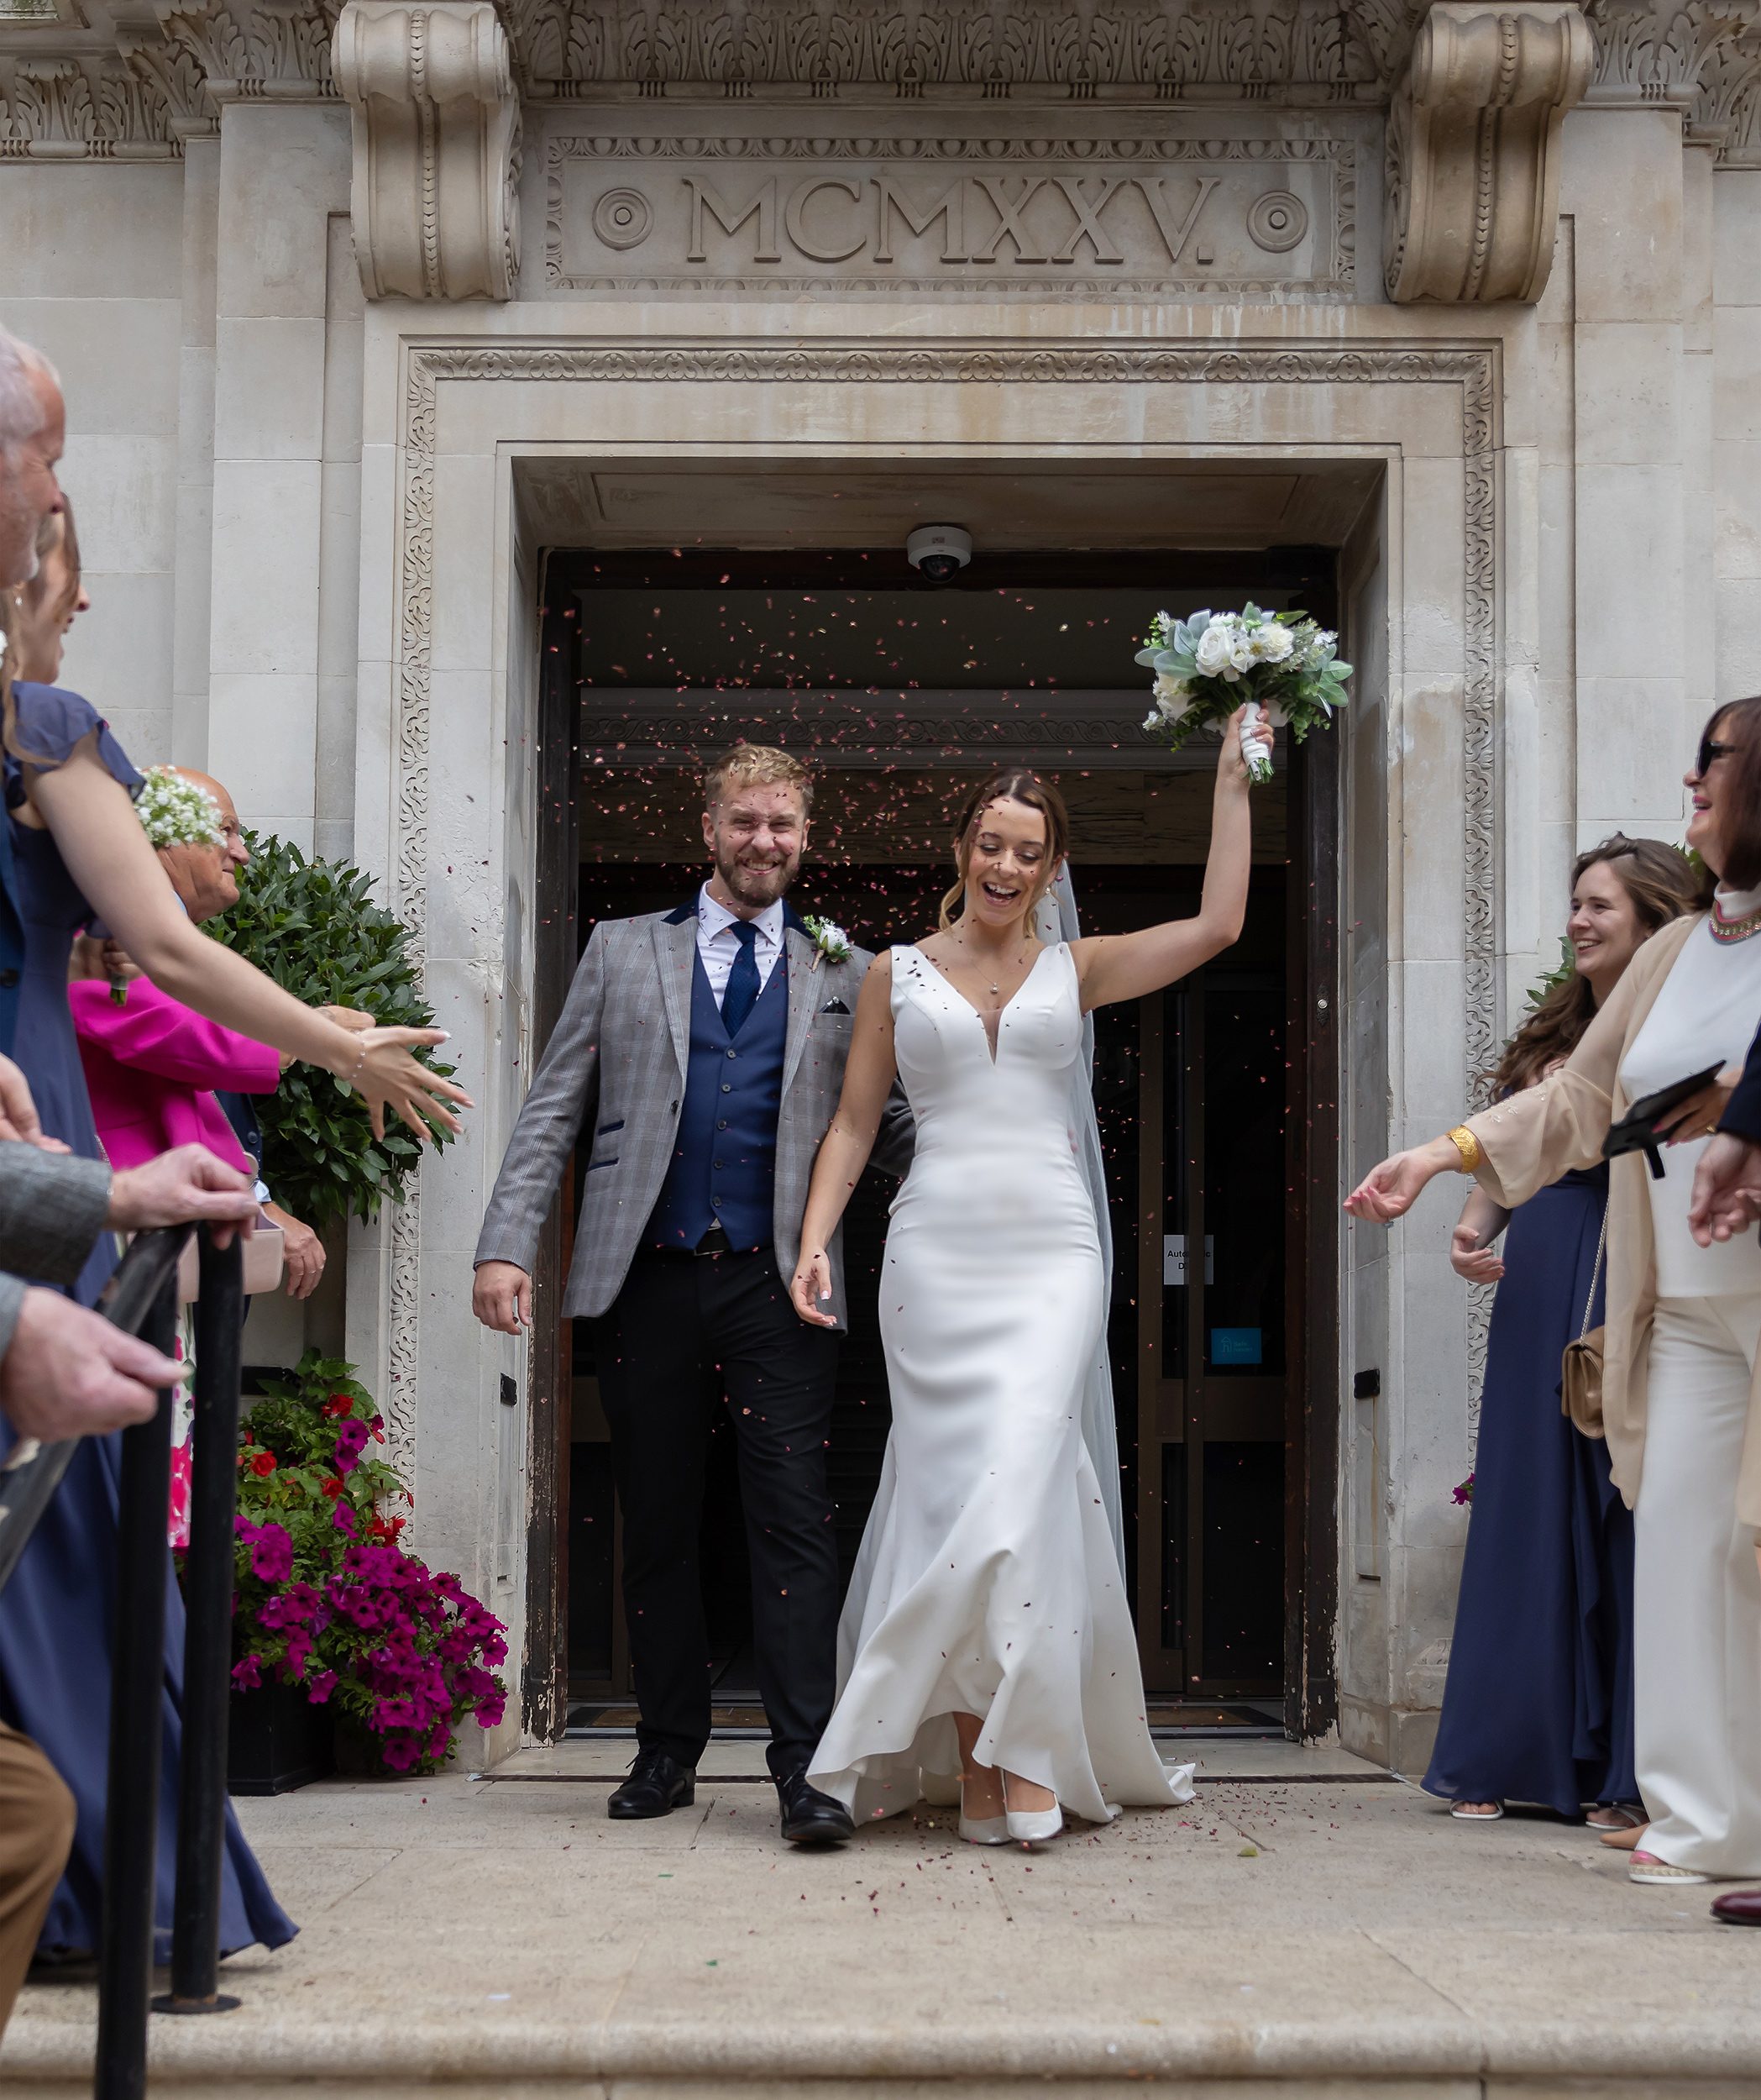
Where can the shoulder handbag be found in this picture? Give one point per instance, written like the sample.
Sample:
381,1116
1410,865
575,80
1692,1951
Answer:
1580,1369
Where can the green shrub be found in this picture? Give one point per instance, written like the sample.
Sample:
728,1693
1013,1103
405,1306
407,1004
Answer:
313,926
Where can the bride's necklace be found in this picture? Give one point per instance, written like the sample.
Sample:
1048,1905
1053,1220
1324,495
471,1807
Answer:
996,990
1731,931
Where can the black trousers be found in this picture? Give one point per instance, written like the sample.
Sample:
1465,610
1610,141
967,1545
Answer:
688,1334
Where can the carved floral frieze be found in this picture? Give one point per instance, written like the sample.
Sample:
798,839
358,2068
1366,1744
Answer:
143,91
912,45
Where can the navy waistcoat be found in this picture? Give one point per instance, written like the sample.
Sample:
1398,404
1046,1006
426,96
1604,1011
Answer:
724,1168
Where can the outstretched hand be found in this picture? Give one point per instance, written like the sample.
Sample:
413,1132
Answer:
811,1291
1389,1191
387,1075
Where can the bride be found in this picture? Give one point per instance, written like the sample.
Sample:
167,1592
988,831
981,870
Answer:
987,1631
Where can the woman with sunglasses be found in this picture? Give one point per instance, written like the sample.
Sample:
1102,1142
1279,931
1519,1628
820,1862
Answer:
1681,1395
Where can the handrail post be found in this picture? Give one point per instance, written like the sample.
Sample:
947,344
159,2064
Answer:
137,1709
208,1586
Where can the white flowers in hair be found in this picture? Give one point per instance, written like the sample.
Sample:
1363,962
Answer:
174,812
1209,665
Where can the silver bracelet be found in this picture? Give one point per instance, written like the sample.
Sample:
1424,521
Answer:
360,1064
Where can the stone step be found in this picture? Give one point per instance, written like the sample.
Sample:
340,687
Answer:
1329,1933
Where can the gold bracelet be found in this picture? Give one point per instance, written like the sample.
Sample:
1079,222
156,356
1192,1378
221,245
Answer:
1465,1142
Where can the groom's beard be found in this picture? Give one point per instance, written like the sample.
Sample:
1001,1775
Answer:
756,887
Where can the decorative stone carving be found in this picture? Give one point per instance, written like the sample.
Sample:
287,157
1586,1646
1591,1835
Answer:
1705,56
255,48
90,108
1473,149
991,45
167,71
953,209
437,129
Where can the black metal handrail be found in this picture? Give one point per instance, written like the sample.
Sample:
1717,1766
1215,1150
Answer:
143,1301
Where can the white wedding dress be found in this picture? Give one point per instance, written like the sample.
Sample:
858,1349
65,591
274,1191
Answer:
989,1580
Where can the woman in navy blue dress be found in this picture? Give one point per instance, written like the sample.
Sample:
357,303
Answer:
62,770
1537,1707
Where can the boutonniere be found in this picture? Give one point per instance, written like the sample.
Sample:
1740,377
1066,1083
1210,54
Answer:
831,942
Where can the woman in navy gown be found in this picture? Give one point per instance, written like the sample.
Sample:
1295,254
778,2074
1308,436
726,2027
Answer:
55,1627
1537,1707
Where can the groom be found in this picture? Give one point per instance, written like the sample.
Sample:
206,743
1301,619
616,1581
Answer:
702,1051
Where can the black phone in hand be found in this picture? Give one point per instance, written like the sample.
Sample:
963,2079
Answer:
1636,1130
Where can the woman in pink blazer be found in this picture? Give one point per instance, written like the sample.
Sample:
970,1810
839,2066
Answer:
152,1066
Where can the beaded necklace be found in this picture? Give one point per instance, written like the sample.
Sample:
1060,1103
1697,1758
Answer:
1728,931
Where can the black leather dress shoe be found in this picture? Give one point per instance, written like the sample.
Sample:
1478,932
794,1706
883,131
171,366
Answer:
1740,1907
810,1817
657,1784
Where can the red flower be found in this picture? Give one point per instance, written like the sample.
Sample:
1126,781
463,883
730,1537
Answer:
332,1487
264,1464
337,1404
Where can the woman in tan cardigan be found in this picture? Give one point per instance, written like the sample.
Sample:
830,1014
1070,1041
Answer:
1681,1396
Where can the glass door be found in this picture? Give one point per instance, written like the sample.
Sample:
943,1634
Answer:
1212,1349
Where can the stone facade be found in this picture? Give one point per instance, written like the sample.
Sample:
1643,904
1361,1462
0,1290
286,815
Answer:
344,300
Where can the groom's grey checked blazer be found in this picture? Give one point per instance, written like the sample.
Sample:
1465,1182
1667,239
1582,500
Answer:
616,1066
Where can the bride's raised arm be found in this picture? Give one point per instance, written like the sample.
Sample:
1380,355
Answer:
868,1077
1118,966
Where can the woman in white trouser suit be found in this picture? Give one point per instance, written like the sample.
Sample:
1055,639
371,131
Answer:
1682,1399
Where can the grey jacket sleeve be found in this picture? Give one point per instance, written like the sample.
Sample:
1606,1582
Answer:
52,1210
12,1297
549,1122
897,1138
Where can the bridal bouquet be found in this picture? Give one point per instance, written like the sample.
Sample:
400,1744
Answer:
1207,665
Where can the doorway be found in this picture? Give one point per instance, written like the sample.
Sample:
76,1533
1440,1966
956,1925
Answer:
899,691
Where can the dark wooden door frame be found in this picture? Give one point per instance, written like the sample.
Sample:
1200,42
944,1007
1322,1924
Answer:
544,1674
1312,1256
1312,1443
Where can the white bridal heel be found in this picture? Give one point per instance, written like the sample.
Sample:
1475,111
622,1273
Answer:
982,1830
1032,1826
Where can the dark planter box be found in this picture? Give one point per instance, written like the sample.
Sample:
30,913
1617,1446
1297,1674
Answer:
277,1740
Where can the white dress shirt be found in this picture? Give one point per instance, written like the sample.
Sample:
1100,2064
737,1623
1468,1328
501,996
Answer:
718,949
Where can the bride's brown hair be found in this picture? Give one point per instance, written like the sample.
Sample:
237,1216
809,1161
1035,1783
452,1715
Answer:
1008,783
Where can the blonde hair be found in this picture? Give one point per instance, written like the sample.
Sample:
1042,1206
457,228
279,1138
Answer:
1010,784
755,766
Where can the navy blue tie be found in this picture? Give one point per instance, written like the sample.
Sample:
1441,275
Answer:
742,995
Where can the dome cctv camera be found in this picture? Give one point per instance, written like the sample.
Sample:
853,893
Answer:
940,551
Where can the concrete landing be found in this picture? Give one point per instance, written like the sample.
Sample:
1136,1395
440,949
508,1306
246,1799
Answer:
1242,1759
1314,1934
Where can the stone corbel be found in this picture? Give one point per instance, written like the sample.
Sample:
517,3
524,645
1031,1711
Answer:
1473,149
437,129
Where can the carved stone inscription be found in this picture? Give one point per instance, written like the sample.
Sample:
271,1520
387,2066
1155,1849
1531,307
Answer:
1025,217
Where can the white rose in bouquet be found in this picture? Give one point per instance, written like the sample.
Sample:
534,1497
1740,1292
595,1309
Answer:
1173,696
1242,657
1215,651
1272,643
